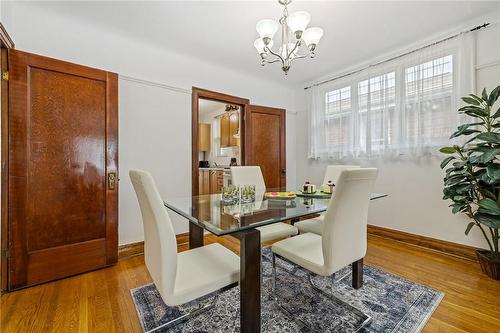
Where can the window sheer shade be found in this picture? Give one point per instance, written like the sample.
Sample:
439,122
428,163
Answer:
404,106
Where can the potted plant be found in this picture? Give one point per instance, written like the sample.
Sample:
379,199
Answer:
472,180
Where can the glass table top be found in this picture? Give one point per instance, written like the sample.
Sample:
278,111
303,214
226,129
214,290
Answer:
210,213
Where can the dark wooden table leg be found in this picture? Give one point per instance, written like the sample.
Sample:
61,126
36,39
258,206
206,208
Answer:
195,236
357,274
250,280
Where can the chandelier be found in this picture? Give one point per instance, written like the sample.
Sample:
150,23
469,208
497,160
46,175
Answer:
293,35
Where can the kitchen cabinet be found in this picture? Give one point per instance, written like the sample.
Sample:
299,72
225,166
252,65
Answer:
210,181
234,124
204,137
224,131
216,181
229,124
204,182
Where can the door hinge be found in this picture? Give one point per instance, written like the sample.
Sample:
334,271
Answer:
5,76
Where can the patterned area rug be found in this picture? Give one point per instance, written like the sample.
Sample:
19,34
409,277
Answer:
395,304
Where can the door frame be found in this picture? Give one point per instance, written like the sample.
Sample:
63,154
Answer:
197,94
6,43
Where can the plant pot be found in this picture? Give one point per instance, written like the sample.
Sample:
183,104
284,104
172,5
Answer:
490,267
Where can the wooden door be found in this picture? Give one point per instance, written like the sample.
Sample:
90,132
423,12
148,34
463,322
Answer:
63,169
265,143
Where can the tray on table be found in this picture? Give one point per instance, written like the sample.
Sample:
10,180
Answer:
317,195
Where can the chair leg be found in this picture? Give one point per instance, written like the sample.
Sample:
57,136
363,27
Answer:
273,289
367,319
201,309
357,274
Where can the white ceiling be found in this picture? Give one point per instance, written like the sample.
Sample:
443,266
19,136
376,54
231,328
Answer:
223,31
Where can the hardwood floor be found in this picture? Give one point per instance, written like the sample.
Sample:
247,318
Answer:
100,301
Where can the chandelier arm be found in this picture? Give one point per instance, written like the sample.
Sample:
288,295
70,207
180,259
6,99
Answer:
300,57
297,44
276,55
272,61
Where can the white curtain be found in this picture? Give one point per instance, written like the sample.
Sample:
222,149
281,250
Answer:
407,106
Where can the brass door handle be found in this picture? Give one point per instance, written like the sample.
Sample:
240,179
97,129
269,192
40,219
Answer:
111,180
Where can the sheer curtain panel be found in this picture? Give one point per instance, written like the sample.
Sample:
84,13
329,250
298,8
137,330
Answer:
406,106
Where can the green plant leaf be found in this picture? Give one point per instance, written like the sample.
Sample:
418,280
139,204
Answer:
484,94
460,188
455,180
458,165
477,98
490,206
490,137
457,208
448,150
493,171
469,108
497,114
446,161
487,193
489,155
482,147
495,93
470,100
469,227
488,220
476,112
464,132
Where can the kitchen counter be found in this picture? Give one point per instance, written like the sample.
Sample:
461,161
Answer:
216,168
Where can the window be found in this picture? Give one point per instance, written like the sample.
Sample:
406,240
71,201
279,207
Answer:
428,93
405,106
338,116
376,101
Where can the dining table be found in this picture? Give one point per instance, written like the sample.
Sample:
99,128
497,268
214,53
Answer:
241,220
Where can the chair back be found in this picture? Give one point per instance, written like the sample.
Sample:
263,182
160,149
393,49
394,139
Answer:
248,175
333,172
344,235
160,245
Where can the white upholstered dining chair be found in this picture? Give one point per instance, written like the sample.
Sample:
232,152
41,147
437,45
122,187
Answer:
315,225
252,175
179,277
344,238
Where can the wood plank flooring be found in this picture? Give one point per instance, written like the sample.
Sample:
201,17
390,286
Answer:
100,301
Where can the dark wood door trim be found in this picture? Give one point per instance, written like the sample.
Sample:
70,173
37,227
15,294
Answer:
112,167
5,40
6,43
198,93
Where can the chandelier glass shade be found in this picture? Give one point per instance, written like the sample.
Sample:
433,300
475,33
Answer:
294,34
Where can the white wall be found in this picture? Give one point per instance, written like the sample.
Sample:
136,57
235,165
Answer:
155,122
415,202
